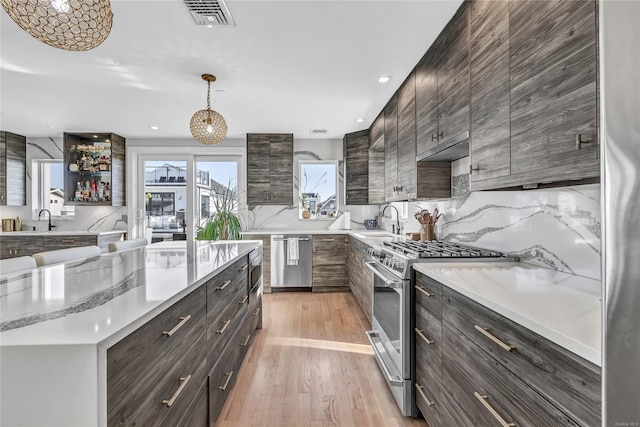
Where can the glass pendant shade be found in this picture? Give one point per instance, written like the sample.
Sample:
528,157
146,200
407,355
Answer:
74,25
207,126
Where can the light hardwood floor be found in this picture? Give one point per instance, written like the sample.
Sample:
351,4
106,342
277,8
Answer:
311,365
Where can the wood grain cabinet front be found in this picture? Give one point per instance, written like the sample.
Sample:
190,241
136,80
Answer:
16,246
13,173
269,169
356,167
360,278
154,373
329,263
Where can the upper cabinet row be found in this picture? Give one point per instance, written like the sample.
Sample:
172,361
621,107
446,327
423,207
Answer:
13,158
269,169
513,84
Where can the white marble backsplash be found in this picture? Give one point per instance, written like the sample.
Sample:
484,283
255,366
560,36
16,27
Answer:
554,228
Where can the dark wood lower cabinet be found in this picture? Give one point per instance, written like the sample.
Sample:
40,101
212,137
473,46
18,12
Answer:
178,368
465,379
21,245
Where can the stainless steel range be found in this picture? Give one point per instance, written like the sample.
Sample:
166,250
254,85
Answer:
392,305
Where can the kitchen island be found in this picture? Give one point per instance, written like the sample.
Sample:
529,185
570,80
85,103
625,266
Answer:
59,323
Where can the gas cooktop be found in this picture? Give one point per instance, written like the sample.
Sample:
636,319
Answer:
439,249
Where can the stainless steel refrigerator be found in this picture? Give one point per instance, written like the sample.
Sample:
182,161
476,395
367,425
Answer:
620,139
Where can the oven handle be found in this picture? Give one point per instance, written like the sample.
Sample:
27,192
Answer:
375,341
373,266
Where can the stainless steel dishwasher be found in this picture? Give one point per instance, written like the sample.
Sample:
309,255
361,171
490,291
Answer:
291,262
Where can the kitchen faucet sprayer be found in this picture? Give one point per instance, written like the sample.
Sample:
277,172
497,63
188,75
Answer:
395,227
40,216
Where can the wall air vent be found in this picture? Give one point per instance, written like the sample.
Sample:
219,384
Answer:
209,12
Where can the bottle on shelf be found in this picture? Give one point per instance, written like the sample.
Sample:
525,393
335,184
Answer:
107,192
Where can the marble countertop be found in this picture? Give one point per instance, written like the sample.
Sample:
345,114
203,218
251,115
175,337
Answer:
103,299
370,237
62,233
561,307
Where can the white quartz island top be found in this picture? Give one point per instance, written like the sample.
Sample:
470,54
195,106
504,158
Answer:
57,322
561,307
62,233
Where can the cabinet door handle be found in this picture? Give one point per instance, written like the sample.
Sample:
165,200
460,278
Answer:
226,324
473,168
224,285
327,240
68,241
246,341
244,267
257,312
183,383
493,338
223,387
483,400
424,396
434,137
424,291
243,300
183,320
579,141
440,134
427,340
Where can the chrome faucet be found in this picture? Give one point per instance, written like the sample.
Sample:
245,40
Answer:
40,215
395,228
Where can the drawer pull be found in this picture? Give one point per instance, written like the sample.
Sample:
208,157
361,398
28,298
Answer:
183,320
226,323
244,267
223,387
427,340
243,300
224,285
424,291
68,241
493,338
246,341
424,396
183,383
497,416
327,240
257,313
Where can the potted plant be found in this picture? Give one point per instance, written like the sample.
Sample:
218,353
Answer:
224,223
306,214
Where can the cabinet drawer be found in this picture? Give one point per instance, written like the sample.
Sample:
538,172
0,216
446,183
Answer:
223,376
255,309
172,388
221,327
568,381
428,334
489,392
158,344
197,414
429,293
226,285
15,246
428,400
54,243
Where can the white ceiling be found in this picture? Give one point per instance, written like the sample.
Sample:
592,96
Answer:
287,66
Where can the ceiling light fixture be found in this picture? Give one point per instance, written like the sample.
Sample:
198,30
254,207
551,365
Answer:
384,79
66,24
207,126
154,127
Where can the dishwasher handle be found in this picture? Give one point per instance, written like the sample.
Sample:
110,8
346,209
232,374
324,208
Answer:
299,239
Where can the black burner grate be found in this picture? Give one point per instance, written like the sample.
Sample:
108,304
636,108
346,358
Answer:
440,249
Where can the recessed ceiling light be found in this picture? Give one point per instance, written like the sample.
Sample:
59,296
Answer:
154,127
359,120
95,136
209,26
384,79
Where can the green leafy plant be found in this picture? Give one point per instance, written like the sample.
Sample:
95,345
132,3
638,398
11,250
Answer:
224,223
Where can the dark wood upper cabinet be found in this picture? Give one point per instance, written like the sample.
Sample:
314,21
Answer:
391,149
490,103
406,173
427,101
13,175
376,161
356,164
269,169
95,170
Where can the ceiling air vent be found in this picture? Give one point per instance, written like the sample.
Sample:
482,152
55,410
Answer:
209,12
317,131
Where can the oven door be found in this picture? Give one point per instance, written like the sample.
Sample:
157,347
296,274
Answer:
389,321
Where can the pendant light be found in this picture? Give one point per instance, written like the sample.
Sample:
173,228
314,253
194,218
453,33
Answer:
75,25
207,126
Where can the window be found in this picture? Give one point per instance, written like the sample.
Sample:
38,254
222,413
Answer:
161,210
205,205
318,190
47,191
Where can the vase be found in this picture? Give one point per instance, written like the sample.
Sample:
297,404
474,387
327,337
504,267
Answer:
306,214
428,232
